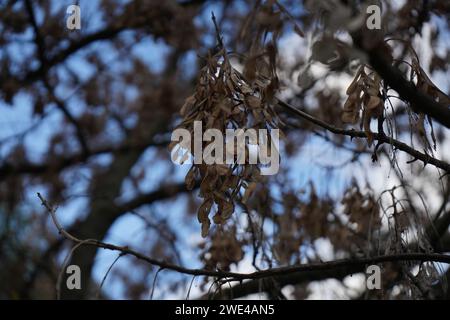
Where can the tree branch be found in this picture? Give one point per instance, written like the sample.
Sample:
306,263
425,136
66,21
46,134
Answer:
104,34
62,106
405,88
351,265
56,164
361,134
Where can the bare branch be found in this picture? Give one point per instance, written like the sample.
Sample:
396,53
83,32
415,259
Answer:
325,267
56,164
376,136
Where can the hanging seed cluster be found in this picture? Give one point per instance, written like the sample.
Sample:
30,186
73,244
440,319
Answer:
427,87
225,99
363,93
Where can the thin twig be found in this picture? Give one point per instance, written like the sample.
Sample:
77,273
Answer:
189,289
154,283
106,274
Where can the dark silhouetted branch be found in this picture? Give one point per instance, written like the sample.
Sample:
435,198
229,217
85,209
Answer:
426,159
324,267
406,89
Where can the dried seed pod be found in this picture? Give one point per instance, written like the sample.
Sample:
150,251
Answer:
363,93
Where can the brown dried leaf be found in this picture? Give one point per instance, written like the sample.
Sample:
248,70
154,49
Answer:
253,102
190,178
204,210
248,192
187,106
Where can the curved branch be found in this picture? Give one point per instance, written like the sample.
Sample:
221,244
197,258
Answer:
353,265
376,136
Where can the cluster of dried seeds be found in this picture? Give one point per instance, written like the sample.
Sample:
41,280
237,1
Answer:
427,87
364,93
362,209
223,250
225,99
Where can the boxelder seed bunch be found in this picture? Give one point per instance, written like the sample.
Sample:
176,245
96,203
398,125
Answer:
368,93
364,91
225,99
